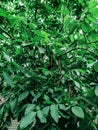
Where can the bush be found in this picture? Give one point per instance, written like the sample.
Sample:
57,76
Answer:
49,64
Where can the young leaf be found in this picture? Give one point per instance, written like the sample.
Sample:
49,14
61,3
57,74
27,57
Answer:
78,111
54,112
41,50
8,79
27,119
41,117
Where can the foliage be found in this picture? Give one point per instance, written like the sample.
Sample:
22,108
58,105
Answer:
49,64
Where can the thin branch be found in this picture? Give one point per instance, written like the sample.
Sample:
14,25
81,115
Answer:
74,49
60,70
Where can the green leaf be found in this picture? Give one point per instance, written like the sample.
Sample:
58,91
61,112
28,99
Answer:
54,112
13,104
3,38
29,108
7,57
93,36
64,11
96,90
59,89
94,11
45,111
77,84
62,107
8,79
64,115
27,120
3,13
96,66
45,34
1,64
1,111
78,111
52,128
89,101
44,127
72,25
85,26
23,95
41,50
81,1
93,4
41,116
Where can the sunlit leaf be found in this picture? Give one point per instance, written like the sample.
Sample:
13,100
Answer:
78,111
27,119
41,116
54,112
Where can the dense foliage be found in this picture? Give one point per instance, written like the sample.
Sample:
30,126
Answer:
49,64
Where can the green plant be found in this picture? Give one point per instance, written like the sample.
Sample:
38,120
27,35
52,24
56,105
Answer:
49,64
